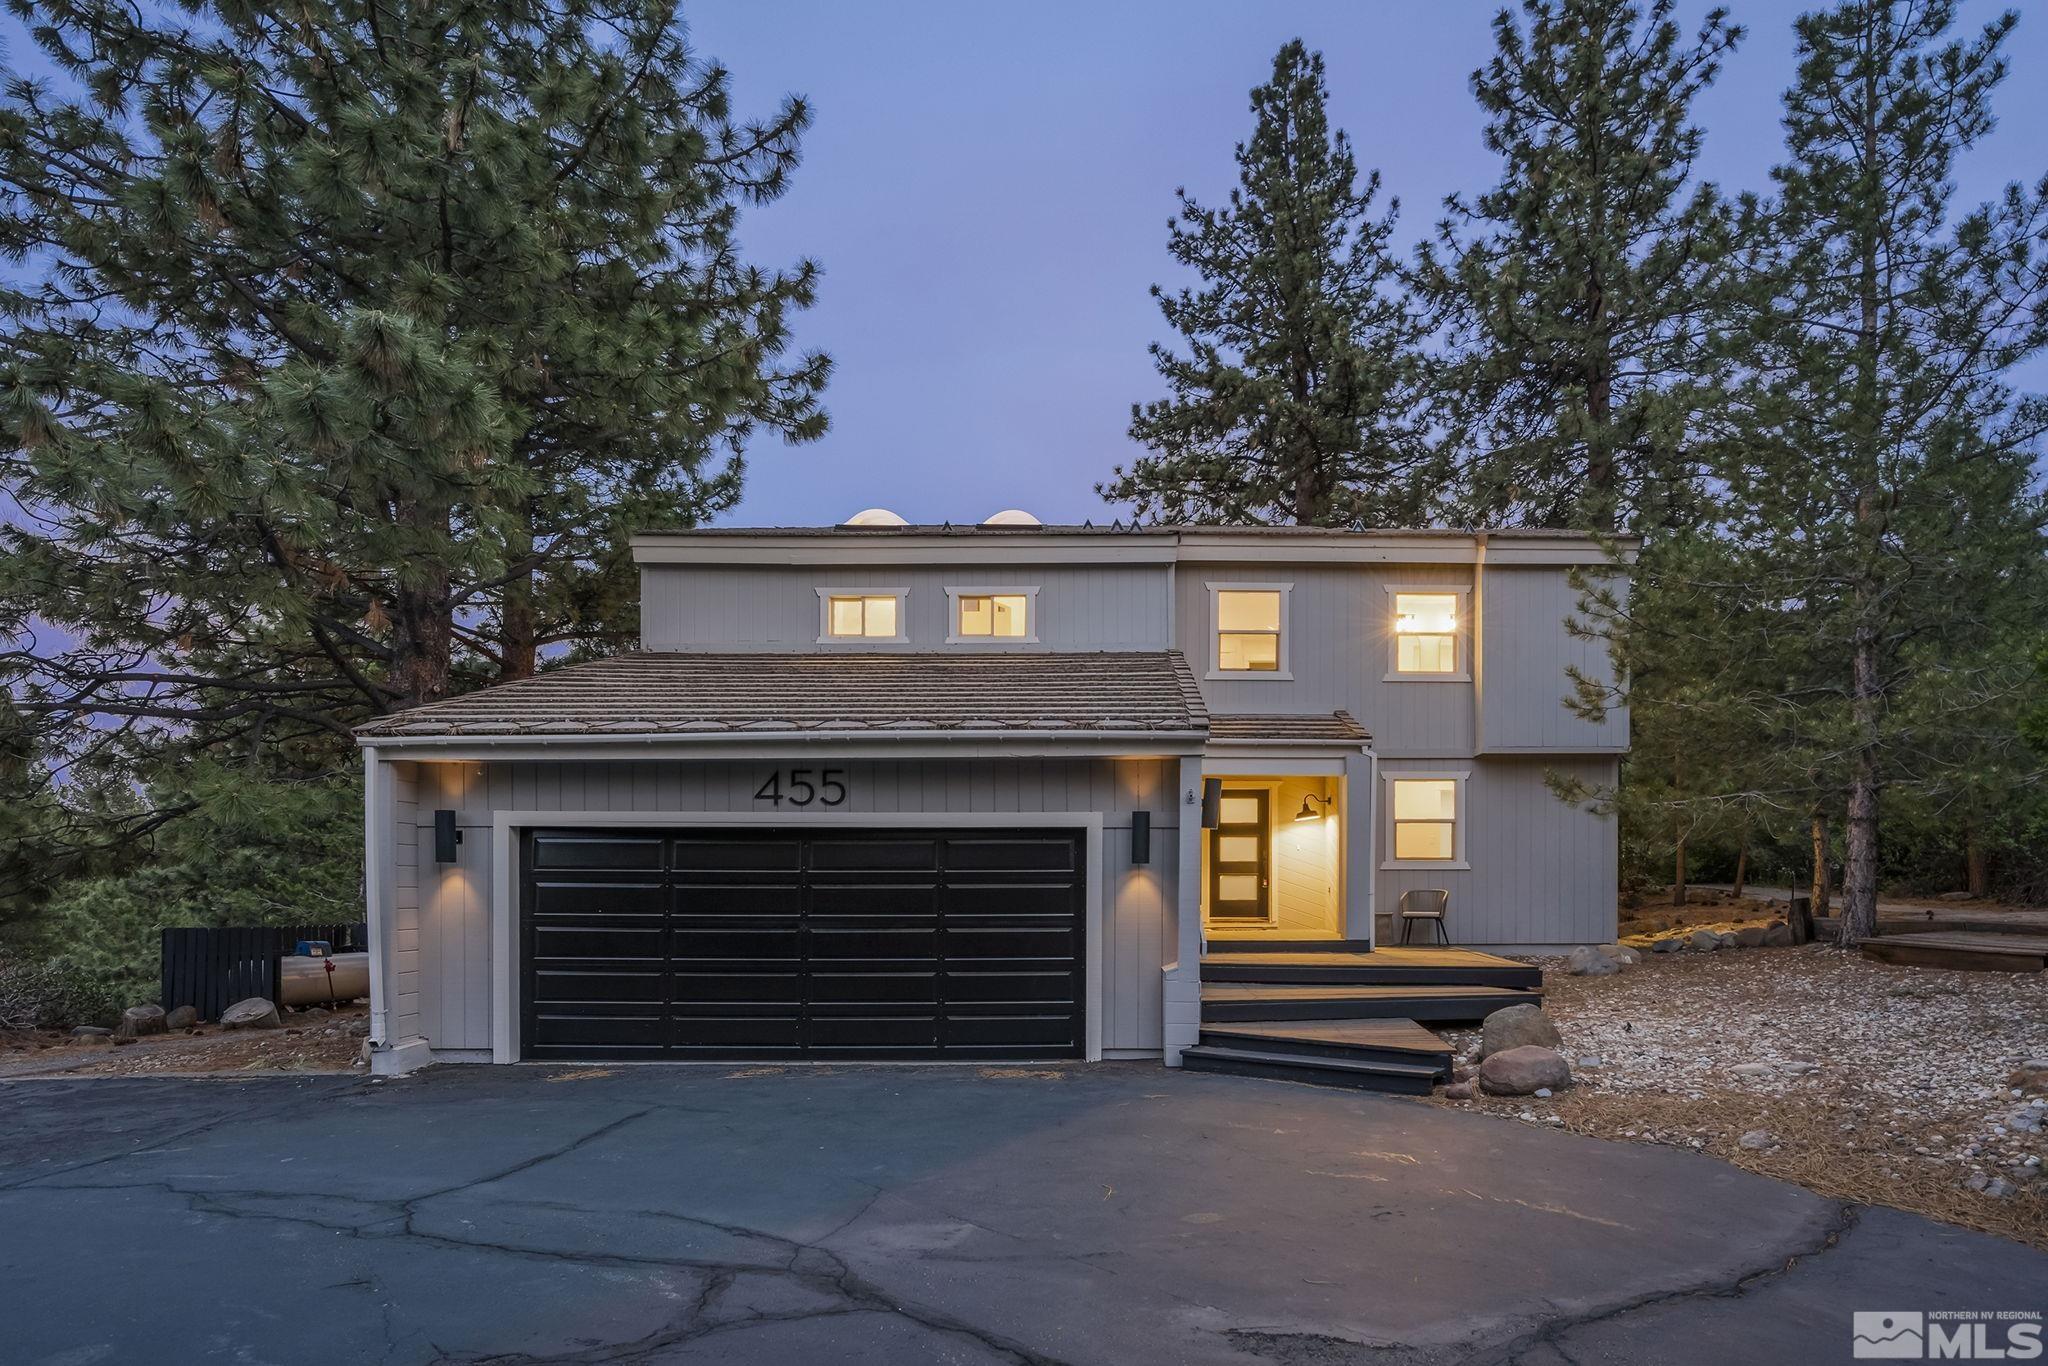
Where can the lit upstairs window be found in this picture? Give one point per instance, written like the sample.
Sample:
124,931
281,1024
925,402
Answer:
1426,633
865,617
1247,630
996,616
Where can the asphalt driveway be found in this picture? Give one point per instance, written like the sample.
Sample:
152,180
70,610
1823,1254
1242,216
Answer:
1118,1213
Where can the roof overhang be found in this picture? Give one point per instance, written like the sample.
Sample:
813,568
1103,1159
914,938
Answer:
777,745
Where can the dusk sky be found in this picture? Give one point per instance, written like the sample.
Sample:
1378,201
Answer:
987,188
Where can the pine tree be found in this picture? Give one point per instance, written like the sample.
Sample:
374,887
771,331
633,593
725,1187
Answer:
1294,400
347,342
1883,498
1580,291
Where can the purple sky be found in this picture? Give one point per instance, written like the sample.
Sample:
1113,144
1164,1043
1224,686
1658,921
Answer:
987,189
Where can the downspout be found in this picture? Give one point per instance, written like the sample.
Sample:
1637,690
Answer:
376,874
1372,836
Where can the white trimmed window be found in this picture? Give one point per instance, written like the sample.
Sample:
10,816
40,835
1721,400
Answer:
868,614
1427,641
993,614
1425,820
1250,636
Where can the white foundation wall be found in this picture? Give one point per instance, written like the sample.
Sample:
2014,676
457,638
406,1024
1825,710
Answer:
451,920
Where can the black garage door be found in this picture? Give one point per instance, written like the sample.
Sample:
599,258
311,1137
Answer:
776,943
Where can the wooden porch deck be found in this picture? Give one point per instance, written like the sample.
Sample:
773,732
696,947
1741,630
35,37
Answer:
1961,950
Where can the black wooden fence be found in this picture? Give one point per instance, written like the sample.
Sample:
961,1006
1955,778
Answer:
211,969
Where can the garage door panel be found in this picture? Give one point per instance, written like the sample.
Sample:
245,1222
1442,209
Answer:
574,850
738,902
737,854
855,945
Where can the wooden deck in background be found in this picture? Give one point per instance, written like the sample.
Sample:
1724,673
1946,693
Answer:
1961,950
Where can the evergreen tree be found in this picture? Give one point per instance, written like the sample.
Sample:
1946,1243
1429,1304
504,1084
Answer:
1580,291
1883,499
1294,400
347,342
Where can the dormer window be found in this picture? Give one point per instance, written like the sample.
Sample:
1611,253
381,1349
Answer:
872,615
993,614
1428,634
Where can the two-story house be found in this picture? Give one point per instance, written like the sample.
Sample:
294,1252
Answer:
892,791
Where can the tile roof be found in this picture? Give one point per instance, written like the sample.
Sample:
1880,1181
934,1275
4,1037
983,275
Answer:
765,694
1334,726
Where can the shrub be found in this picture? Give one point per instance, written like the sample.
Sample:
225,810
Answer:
54,996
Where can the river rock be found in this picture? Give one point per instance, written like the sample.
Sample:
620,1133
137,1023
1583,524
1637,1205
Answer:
1621,953
1458,1090
1584,961
1674,944
184,1017
253,1013
1524,1071
1704,941
137,1021
1751,936
91,1032
1778,936
1515,1027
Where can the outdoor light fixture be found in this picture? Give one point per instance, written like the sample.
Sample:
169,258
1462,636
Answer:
1212,803
446,837
1308,811
1141,838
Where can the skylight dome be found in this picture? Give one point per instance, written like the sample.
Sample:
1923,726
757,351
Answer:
1013,517
874,517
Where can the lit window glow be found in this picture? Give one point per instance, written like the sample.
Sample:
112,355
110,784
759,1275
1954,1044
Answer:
869,617
1426,633
1000,616
1426,819
1247,630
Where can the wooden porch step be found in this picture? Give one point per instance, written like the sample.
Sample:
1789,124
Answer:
1402,1078
1220,945
1388,967
1238,1001
1379,1040
1961,950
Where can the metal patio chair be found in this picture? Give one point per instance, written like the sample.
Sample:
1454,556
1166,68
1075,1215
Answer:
1425,904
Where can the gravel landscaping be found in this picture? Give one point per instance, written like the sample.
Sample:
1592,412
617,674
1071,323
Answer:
312,1040
1888,1085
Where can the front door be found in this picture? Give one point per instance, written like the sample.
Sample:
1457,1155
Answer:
1240,860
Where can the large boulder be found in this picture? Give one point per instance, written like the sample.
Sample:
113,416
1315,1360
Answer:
137,1021
253,1013
90,1032
1524,1071
1672,944
1516,1027
1778,935
184,1017
1706,941
1585,961
1625,954
1751,936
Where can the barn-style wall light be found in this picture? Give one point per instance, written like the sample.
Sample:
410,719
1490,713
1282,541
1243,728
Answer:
446,837
1212,803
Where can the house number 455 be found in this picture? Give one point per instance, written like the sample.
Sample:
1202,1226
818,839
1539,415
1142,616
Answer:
804,786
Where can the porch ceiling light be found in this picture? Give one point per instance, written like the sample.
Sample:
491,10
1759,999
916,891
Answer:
1308,811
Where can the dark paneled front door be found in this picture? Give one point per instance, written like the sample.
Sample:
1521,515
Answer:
860,944
1240,860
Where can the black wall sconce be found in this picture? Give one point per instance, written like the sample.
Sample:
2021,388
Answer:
446,837
1212,803
1141,837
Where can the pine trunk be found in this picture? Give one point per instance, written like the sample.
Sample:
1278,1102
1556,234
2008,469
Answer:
1817,890
1859,876
517,628
1678,874
423,625
1976,865
1742,865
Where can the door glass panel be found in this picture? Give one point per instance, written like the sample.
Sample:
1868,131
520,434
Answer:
1240,810
1425,799
1423,840
1237,887
1238,848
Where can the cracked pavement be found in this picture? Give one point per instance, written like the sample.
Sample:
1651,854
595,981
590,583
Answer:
1115,1213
